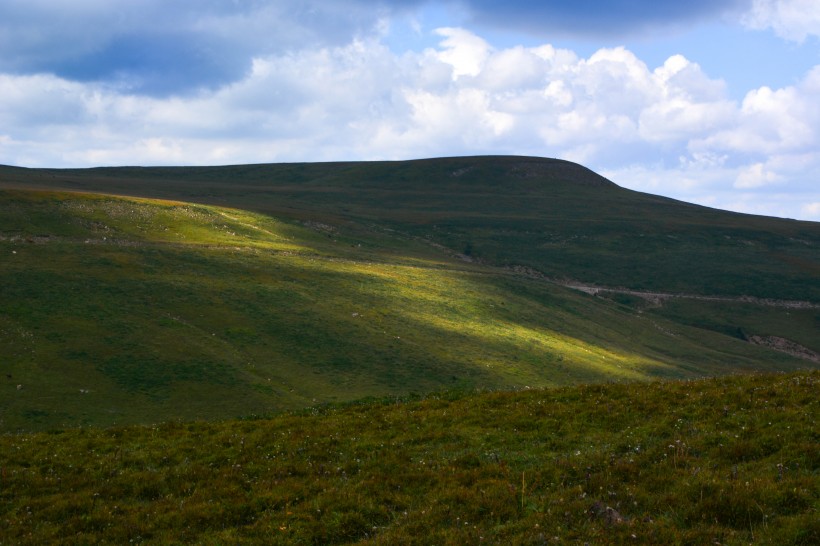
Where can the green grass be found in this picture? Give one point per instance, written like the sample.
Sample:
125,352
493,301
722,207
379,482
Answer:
390,391
122,310
731,461
554,216
744,319
163,310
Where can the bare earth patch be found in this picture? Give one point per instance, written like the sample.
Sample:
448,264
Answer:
786,346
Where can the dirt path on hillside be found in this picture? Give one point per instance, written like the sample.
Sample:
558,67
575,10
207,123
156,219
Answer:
654,298
785,346
658,298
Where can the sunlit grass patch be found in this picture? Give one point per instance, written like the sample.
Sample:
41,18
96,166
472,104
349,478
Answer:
184,223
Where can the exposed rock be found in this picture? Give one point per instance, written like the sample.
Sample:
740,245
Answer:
785,346
599,510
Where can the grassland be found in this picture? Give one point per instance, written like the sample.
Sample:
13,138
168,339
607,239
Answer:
388,353
124,310
554,216
732,460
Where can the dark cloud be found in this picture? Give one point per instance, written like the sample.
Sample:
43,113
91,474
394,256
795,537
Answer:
598,18
588,18
156,64
160,47
164,47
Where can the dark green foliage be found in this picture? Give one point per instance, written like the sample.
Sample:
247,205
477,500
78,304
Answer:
731,460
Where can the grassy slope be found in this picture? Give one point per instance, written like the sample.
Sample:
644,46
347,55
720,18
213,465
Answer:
728,461
123,310
551,215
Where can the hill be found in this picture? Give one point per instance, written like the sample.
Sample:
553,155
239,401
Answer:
232,291
728,461
557,217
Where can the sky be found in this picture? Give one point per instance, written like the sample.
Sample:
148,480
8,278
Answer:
715,102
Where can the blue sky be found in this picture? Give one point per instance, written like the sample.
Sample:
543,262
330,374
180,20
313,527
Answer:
710,101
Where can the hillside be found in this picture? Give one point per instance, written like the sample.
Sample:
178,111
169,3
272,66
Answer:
124,310
556,217
332,282
728,461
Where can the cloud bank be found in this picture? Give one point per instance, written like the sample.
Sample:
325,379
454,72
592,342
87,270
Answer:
161,47
794,20
612,18
342,94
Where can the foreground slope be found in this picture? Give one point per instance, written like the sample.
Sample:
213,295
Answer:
720,461
125,310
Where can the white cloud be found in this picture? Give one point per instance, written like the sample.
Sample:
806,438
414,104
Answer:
704,182
793,20
686,103
557,93
756,176
670,129
464,51
772,121
811,211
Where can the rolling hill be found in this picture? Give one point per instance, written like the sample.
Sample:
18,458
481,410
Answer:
555,216
139,295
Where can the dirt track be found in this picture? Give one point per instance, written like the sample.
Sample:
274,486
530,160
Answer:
659,297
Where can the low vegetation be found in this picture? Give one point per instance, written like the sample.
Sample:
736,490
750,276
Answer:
123,310
554,216
732,460
389,353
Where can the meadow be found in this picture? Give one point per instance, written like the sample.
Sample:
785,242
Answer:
557,217
394,353
732,460
126,310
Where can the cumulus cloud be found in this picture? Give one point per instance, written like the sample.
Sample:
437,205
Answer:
756,176
670,129
812,210
772,121
161,47
793,20
464,51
